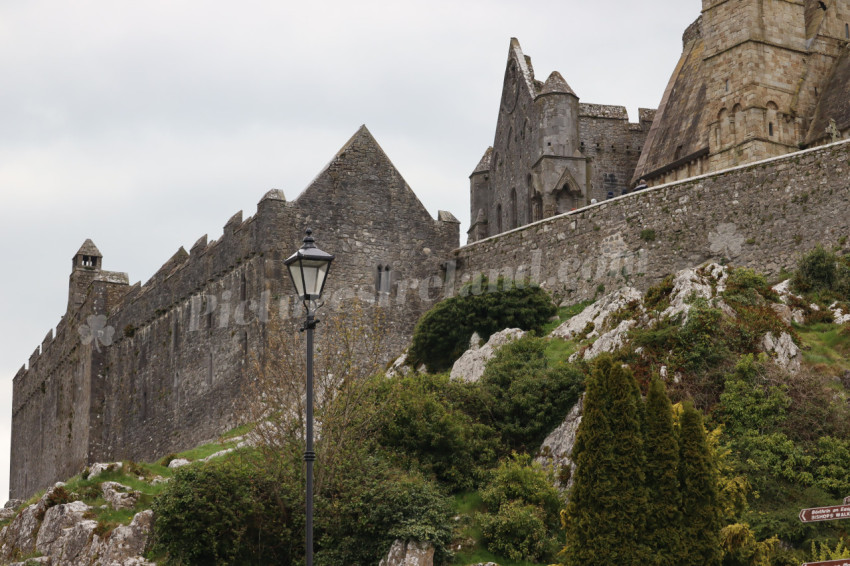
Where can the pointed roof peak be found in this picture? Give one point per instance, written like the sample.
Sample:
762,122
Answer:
88,248
484,164
524,63
361,139
556,84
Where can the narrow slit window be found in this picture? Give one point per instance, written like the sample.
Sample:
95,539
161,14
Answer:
770,129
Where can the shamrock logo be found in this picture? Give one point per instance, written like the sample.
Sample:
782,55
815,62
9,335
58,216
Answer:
96,331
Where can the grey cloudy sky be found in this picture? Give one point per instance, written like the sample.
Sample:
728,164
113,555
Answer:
144,125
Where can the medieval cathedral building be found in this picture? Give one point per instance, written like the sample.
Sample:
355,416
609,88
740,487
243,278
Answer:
756,79
136,371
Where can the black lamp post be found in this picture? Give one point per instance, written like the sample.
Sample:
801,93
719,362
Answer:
308,268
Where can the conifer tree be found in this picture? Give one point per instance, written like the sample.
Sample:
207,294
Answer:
605,516
663,517
698,484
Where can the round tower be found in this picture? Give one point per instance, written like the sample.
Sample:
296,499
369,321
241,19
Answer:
557,107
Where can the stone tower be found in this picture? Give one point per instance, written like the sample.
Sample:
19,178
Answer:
756,79
755,53
85,266
551,153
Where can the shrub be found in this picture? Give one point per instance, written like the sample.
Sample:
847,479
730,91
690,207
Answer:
517,531
525,398
424,425
747,287
374,507
700,345
520,479
658,296
816,271
443,333
229,513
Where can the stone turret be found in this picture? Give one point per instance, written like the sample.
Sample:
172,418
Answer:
479,198
85,267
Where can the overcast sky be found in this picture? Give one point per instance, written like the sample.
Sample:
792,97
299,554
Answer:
144,125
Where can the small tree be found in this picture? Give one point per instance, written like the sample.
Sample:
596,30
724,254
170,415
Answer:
349,349
663,518
604,518
698,480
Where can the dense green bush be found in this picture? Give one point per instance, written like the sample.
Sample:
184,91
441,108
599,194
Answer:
229,512
523,511
524,397
816,271
517,531
373,507
485,307
520,479
423,425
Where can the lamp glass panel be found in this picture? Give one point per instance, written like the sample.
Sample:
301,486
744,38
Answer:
314,273
295,274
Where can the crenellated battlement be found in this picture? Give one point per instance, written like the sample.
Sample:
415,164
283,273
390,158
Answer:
138,371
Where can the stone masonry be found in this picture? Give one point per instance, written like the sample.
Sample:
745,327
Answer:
756,79
764,215
138,371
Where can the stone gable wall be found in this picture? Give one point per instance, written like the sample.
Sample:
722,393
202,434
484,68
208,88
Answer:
170,374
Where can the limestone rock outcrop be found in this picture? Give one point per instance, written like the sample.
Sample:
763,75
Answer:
704,282
557,449
119,496
470,366
66,535
786,353
409,553
596,314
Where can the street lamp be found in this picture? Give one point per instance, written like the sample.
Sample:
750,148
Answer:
308,268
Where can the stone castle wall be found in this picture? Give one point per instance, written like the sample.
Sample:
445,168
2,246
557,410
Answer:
764,215
170,369
612,146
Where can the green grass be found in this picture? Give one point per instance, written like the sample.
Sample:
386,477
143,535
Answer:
826,344
558,351
564,314
467,503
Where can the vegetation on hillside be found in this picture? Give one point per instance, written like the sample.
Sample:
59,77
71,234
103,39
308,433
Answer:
695,446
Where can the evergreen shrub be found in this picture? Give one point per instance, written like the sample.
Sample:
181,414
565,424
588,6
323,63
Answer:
485,307
524,397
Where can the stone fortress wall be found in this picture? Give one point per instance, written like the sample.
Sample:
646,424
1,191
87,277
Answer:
139,371
169,364
764,215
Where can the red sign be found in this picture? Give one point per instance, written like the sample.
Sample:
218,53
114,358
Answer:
826,514
842,562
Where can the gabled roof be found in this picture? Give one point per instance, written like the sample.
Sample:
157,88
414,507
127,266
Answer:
360,171
484,164
88,248
556,84
524,65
